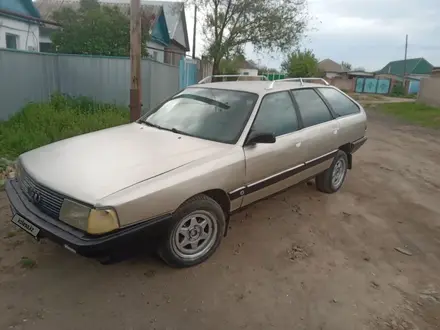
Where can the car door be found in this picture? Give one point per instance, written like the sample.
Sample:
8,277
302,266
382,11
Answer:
271,167
320,131
351,119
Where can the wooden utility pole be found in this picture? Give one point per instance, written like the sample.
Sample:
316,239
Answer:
404,62
194,36
135,60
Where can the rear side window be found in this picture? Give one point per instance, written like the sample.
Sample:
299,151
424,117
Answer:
312,108
276,115
341,104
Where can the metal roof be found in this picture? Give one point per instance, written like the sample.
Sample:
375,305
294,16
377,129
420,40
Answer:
413,66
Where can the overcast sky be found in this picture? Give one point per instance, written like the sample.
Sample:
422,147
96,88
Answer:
367,33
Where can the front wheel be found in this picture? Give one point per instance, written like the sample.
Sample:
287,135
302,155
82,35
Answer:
331,180
197,232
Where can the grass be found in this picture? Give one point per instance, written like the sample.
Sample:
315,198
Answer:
28,263
416,113
38,124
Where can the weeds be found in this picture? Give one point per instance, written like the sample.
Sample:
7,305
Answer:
416,113
28,263
38,124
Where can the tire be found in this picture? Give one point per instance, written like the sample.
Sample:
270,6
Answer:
197,218
332,179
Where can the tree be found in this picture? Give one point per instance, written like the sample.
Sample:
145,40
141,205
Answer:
269,25
263,69
347,65
233,64
96,29
301,64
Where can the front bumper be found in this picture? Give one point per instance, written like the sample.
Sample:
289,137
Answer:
78,241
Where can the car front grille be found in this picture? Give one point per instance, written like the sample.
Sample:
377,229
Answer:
43,198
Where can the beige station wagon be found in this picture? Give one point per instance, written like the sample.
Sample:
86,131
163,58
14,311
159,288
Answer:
175,176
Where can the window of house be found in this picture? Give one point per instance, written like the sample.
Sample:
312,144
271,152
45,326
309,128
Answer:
46,47
276,115
11,41
312,108
341,104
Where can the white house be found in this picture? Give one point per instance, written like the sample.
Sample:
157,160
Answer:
332,69
248,68
19,25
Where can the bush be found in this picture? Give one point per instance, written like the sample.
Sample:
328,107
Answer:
398,90
38,124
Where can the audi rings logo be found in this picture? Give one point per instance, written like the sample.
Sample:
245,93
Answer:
34,196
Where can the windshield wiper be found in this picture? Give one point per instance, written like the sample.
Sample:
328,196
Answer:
174,130
178,131
204,100
151,124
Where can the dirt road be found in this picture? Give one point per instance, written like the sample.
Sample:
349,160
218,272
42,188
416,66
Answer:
299,260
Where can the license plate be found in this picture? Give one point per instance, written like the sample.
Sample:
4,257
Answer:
26,225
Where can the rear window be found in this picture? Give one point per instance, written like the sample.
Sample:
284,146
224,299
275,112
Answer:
311,107
341,104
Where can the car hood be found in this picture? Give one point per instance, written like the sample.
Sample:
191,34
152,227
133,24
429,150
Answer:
92,166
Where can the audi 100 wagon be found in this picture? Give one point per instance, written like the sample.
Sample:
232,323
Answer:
176,174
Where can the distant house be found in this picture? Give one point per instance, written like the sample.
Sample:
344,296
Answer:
177,29
360,74
160,38
416,68
19,22
248,68
332,69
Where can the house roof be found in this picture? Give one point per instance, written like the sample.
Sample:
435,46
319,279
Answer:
413,66
360,74
329,65
20,7
248,65
175,15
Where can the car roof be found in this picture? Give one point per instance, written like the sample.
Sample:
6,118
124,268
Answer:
259,87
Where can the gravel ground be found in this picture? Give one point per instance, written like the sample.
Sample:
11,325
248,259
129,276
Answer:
367,257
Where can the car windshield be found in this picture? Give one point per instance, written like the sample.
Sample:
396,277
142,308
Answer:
212,114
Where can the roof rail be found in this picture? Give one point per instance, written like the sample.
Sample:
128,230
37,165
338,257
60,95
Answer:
301,80
209,78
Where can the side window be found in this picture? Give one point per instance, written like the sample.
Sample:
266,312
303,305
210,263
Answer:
341,104
11,41
276,115
312,108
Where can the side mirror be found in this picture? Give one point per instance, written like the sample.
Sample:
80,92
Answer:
260,137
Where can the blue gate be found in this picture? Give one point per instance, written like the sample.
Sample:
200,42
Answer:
372,85
359,85
187,73
383,86
414,87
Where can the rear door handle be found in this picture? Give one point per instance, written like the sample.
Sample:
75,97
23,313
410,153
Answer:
298,144
335,131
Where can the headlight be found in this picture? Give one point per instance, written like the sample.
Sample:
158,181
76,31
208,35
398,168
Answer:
75,214
102,221
90,220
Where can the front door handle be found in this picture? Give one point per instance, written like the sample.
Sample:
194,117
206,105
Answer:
298,144
335,131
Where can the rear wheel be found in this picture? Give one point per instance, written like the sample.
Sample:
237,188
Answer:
197,232
331,180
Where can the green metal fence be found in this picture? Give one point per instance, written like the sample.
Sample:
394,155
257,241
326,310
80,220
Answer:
274,76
